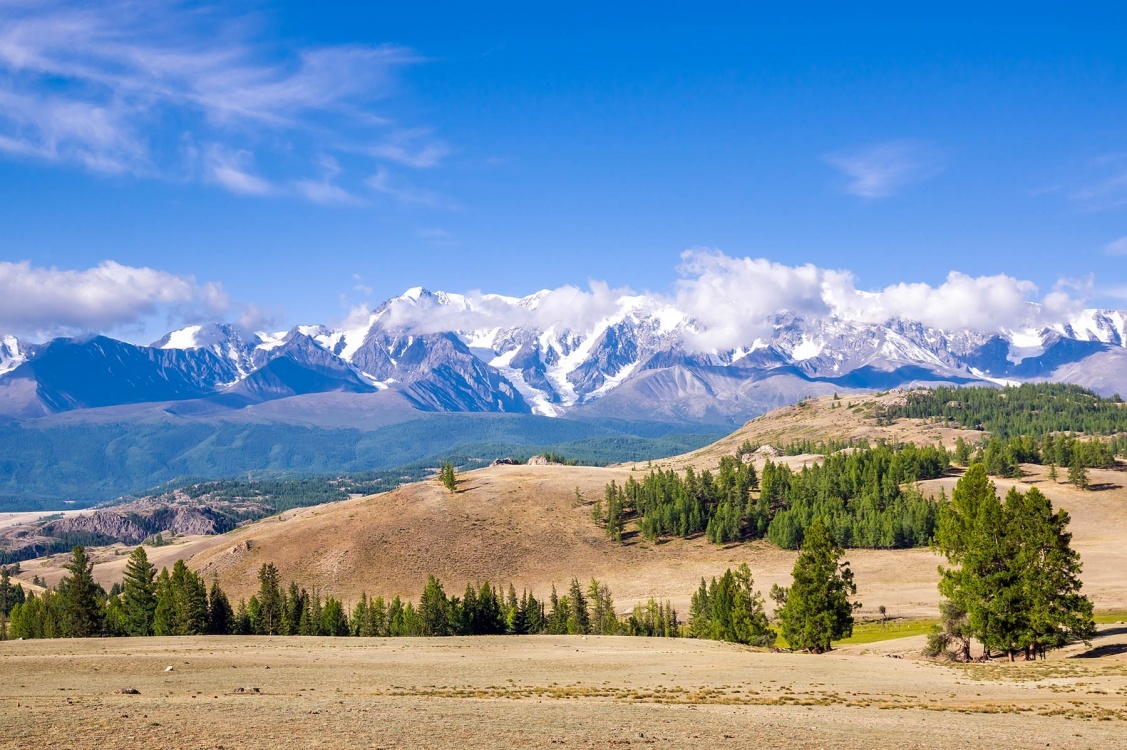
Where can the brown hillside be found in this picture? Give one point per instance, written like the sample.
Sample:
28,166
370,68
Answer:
853,418
523,524
519,524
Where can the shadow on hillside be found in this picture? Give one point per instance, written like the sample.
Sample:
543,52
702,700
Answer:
1103,486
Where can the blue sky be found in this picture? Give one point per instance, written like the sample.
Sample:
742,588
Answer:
283,163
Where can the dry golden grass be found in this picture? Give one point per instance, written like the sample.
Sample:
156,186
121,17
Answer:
542,691
523,524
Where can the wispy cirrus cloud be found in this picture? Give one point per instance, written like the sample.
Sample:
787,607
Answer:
232,169
1117,247
107,86
1103,184
386,183
413,148
882,170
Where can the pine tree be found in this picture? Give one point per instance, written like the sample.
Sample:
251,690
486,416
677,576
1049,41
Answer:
82,606
139,594
817,609
1052,472
578,620
220,617
6,601
269,601
447,477
434,609
962,451
1077,473
1013,571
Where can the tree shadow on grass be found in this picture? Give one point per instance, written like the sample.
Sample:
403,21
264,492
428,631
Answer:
1111,649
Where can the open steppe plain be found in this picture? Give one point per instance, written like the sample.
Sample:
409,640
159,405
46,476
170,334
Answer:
524,524
546,691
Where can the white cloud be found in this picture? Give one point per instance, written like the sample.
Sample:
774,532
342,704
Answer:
40,301
108,85
231,170
734,299
881,170
1103,185
1118,247
383,182
412,148
325,190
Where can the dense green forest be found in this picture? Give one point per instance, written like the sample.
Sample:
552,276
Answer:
1033,409
47,467
866,496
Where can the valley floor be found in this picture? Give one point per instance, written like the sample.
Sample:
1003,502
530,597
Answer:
542,691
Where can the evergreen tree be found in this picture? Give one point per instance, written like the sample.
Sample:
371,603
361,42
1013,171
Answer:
1077,474
434,609
817,609
447,477
81,597
8,600
139,600
334,622
962,452
601,615
164,612
1013,571
578,619
220,617
269,601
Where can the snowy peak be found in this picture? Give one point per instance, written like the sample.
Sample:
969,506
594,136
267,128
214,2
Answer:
553,354
12,354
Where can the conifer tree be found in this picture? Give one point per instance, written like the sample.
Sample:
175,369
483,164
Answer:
269,601
962,451
139,600
220,617
578,619
1013,571
81,599
817,609
447,477
434,609
1077,473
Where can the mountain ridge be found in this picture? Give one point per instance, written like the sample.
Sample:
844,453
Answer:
490,353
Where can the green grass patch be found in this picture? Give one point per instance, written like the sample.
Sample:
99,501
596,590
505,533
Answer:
873,632
1111,615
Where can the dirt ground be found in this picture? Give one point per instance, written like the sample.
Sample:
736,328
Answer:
546,691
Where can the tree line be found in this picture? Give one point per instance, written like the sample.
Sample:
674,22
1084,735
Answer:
1002,456
865,495
178,602
1027,409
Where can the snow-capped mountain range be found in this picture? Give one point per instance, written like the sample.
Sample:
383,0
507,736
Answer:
448,352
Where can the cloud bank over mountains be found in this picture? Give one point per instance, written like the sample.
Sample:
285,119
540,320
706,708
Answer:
731,300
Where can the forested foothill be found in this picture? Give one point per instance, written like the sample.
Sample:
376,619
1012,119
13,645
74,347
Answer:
866,495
